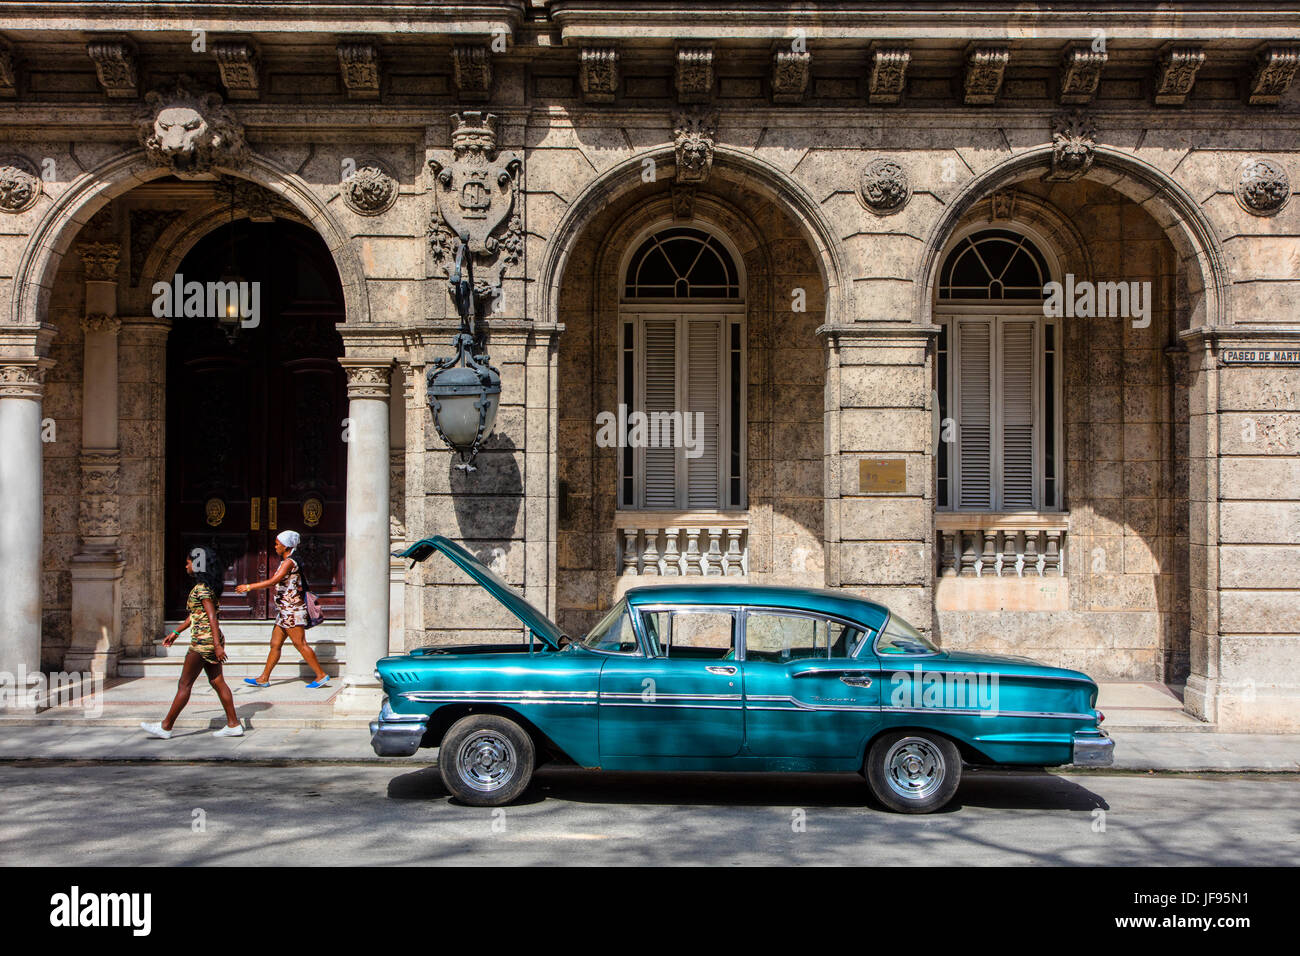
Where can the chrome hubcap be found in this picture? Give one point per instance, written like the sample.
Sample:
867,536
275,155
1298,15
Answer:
914,768
486,761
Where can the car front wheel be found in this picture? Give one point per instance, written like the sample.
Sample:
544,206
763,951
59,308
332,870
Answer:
486,760
913,771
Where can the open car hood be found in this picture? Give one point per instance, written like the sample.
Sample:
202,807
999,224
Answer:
547,630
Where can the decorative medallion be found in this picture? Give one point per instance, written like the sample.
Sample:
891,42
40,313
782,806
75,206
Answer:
1074,147
884,187
694,131
20,185
215,511
190,131
1263,187
312,509
475,193
371,190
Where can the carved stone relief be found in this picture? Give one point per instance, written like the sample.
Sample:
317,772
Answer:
1074,146
1263,187
190,131
884,186
694,132
20,184
476,192
371,189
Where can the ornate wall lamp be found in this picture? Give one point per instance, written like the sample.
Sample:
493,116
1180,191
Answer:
463,390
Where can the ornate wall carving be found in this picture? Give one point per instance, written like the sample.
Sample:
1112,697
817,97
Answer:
239,65
472,70
367,381
888,77
694,131
101,322
1262,186
359,67
1074,146
20,185
985,67
190,131
693,74
884,186
598,74
115,63
8,71
371,189
790,72
1177,74
98,514
22,381
476,192
1274,71
100,259
1081,69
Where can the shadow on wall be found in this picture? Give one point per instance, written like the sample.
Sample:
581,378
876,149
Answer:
488,500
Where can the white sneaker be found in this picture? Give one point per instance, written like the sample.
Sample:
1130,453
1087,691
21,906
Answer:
236,731
155,730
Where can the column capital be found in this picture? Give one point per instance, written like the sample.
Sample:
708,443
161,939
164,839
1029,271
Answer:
23,379
100,259
367,377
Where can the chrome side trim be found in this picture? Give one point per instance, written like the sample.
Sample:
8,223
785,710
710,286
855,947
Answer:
655,703
657,696
967,712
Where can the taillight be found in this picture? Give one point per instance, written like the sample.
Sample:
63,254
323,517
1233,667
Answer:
1100,717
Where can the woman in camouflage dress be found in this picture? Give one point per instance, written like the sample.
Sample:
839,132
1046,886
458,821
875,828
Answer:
290,611
207,646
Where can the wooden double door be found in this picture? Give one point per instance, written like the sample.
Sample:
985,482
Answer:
255,431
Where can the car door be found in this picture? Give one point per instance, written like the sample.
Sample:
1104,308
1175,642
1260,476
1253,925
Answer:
683,698
806,696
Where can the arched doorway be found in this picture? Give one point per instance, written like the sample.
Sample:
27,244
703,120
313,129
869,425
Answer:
256,418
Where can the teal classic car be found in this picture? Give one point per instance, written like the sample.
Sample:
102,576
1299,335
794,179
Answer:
717,676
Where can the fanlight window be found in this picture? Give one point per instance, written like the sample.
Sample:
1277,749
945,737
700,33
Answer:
682,263
998,377
994,265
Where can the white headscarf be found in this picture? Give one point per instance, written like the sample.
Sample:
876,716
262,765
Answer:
290,539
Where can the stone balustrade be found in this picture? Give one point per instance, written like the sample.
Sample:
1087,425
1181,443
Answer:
682,545
1000,545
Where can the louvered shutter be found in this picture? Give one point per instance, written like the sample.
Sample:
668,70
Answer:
1016,396
704,348
975,414
660,396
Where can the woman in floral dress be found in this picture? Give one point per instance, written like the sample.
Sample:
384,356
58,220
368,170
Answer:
290,611
207,646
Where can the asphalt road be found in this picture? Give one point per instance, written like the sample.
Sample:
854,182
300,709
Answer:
132,814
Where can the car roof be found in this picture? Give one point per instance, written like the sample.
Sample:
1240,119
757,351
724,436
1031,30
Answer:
841,603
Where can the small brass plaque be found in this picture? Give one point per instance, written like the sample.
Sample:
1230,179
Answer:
215,511
312,509
882,474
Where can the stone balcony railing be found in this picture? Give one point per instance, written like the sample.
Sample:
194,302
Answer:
1000,545
687,544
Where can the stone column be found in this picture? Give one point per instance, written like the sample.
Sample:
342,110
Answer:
96,569
366,580
880,519
21,388
397,510
1244,528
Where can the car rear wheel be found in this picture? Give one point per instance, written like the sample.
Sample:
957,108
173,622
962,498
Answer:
913,771
486,760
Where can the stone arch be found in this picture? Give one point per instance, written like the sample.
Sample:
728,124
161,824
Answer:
728,163
86,195
1197,244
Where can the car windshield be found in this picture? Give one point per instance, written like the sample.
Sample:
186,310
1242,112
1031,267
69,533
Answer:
613,633
899,637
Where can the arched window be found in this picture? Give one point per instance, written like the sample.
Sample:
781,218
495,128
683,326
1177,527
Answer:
998,376
682,375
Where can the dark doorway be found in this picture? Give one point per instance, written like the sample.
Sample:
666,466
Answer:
255,425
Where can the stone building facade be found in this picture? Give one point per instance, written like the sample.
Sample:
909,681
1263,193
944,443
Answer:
990,313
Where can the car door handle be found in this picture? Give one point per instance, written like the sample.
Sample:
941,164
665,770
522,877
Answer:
720,669
856,680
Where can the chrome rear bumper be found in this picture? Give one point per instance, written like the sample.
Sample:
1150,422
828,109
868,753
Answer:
1093,749
397,735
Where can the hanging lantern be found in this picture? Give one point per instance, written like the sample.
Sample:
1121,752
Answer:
464,390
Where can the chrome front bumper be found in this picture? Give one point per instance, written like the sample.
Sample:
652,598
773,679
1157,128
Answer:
397,735
1093,750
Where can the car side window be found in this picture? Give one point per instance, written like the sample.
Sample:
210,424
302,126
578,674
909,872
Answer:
772,636
694,635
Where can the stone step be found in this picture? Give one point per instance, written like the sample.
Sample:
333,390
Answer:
242,648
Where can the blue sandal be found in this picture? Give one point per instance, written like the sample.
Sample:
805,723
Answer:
319,683
249,680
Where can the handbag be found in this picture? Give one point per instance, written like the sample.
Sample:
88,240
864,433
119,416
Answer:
314,613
